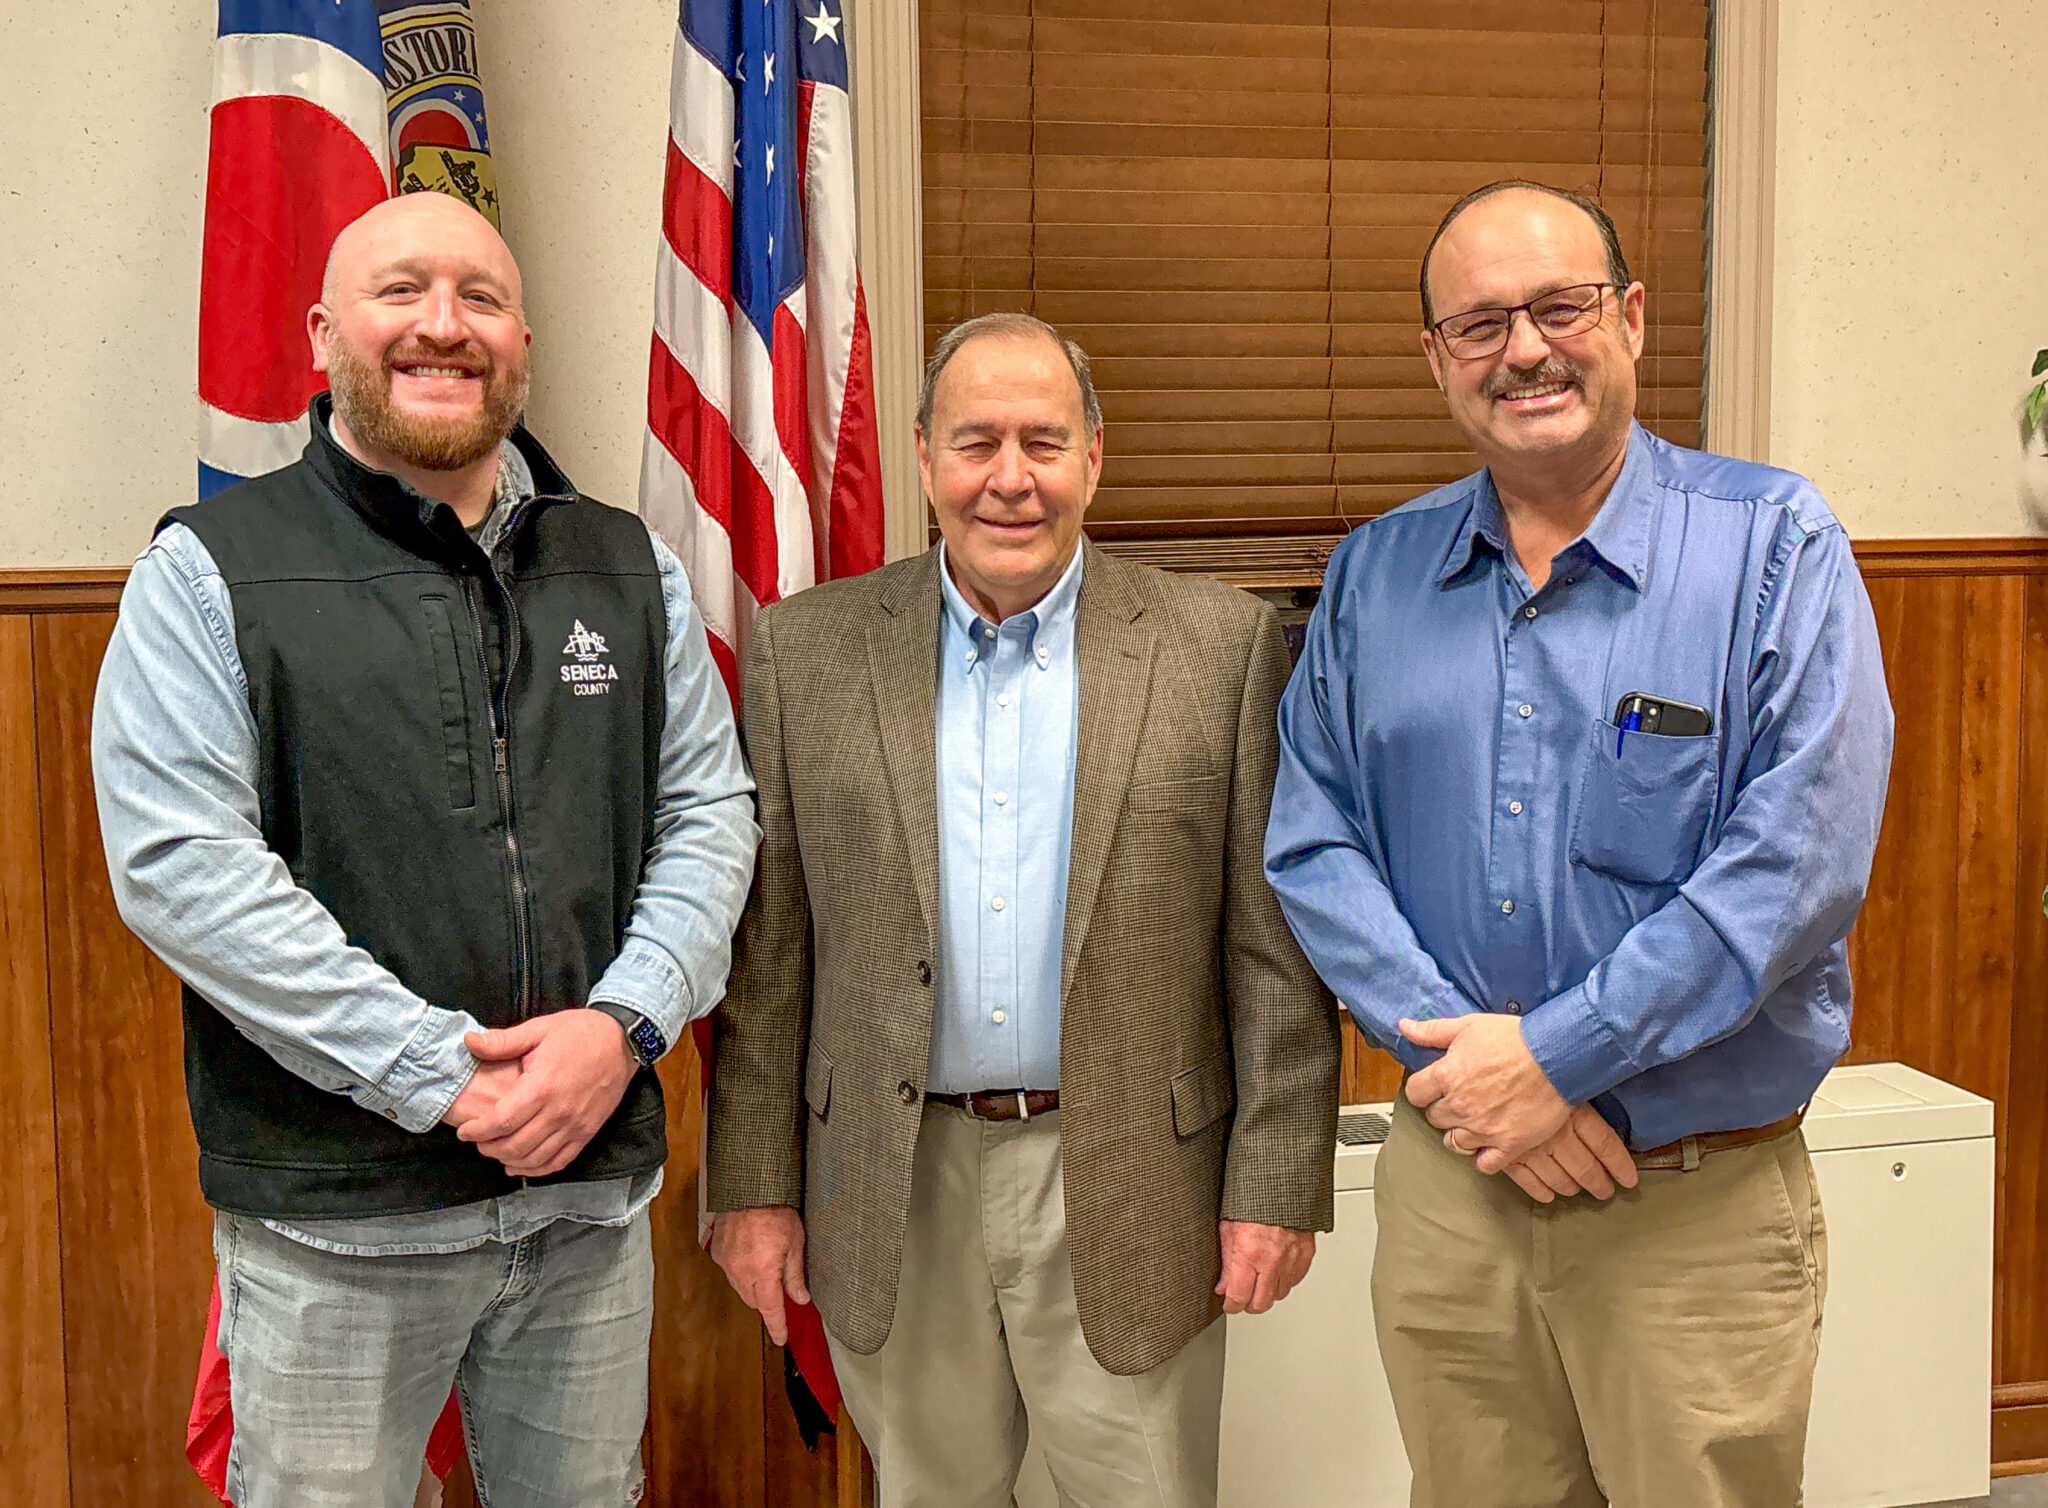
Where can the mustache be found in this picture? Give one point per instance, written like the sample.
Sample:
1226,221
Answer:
465,355
1552,368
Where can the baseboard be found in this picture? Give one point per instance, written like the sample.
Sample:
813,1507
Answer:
2019,1429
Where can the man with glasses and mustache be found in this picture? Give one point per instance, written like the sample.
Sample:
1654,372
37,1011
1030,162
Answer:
1580,779
413,765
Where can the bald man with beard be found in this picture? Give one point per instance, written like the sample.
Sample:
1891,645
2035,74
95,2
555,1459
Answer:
413,767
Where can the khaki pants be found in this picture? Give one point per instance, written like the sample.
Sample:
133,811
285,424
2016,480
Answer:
986,1334
1654,1351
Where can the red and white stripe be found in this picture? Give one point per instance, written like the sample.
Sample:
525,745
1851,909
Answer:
761,466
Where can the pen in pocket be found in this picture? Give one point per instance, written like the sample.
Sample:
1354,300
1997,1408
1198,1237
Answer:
1630,721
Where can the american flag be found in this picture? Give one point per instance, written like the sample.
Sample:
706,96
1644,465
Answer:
761,465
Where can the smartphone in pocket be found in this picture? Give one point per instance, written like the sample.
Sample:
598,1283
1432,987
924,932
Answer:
1639,712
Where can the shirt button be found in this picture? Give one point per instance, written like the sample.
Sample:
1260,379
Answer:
1514,1007
997,903
1529,612
1514,808
907,1092
924,971
997,1017
1507,908
1003,700
1043,654
1525,709
1002,798
391,1115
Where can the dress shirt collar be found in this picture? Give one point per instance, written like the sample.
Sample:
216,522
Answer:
1043,625
1618,537
512,491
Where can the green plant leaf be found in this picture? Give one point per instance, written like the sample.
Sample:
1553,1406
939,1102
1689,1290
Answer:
2040,362
2037,402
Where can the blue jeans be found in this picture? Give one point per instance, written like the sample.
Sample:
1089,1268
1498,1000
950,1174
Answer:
339,1366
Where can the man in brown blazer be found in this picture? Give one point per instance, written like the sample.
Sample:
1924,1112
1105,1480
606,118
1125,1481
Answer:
1015,1021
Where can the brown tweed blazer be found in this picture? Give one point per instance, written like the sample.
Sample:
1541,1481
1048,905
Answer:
1198,1050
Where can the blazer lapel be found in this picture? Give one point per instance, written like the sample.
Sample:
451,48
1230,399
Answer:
903,659
1115,652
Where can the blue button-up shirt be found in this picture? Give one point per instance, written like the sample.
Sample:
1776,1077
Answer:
1008,704
1459,825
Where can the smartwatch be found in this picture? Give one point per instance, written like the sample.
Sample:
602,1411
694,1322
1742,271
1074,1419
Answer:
643,1038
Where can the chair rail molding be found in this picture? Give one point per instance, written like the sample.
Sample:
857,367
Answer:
1741,225
888,173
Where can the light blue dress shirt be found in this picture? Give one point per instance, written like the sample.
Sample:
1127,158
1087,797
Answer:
1458,825
1008,705
174,764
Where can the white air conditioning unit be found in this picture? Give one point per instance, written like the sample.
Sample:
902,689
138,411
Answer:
1902,1401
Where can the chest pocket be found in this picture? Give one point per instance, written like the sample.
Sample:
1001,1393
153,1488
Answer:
450,685
1642,812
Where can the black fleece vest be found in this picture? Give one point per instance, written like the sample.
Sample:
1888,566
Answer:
459,761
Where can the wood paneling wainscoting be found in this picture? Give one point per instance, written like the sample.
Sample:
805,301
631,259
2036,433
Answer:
104,1241
105,1244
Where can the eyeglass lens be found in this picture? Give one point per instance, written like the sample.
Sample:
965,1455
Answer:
1568,311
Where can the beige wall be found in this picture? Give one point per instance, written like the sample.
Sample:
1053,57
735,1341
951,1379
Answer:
1911,287
104,146
1912,258
578,97
102,162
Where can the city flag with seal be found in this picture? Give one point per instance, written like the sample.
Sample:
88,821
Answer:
435,94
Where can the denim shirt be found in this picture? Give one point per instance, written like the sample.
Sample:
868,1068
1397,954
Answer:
175,763
1008,703
1459,824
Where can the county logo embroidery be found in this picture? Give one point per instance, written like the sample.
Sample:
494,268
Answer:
585,670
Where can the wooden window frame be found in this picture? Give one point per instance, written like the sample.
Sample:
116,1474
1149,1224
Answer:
1742,139
887,109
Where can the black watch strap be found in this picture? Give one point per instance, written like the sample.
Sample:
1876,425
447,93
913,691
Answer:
643,1038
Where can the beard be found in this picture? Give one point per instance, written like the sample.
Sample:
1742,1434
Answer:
362,400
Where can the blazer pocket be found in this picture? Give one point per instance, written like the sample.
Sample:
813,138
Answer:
1203,1095
1193,793
818,1081
1644,803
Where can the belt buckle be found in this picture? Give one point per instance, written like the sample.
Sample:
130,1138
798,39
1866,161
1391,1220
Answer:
1023,1107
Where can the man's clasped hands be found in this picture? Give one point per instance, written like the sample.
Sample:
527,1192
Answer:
542,1089
1494,1104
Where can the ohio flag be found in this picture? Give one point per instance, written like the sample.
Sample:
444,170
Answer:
299,147
314,103
321,108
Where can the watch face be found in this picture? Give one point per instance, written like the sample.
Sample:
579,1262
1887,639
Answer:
647,1040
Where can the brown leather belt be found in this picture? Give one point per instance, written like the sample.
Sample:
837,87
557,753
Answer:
1002,1104
1684,1154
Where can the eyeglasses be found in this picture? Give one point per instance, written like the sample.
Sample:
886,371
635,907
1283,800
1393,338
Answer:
1561,312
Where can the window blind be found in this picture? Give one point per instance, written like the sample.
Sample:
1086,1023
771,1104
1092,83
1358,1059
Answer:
1226,202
